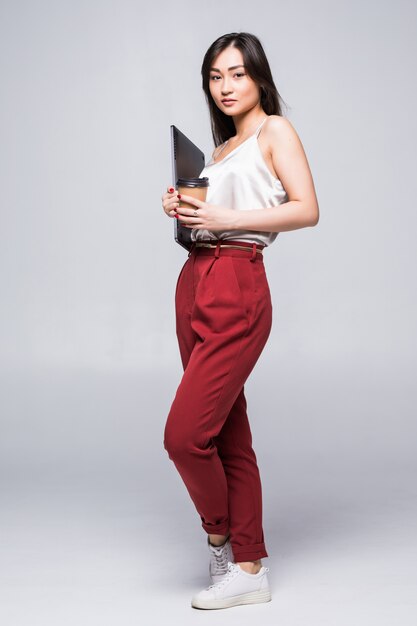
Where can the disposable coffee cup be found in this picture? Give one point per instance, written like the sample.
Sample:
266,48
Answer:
196,187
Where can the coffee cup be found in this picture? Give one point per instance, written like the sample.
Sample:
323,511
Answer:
196,187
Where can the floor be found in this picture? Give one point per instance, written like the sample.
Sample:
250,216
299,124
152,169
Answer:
106,558
96,527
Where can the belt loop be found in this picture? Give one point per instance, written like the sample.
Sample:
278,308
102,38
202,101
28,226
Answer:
253,252
192,248
217,253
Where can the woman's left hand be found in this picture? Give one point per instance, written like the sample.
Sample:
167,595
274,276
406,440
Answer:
209,216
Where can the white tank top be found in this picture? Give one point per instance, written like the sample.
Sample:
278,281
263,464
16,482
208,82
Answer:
242,181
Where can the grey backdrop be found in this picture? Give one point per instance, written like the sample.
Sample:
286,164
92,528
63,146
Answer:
96,525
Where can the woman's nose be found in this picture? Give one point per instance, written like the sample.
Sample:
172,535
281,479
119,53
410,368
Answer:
225,90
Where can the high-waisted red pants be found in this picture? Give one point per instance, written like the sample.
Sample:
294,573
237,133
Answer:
223,320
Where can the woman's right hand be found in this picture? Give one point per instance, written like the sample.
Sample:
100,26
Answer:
170,202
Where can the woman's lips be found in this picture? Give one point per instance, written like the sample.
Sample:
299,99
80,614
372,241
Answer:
228,102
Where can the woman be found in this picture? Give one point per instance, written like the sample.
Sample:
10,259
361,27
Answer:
260,185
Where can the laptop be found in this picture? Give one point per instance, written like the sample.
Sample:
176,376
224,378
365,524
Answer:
187,161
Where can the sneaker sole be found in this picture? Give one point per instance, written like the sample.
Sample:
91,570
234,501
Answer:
246,598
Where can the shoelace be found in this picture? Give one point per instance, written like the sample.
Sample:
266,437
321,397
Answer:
220,563
232,568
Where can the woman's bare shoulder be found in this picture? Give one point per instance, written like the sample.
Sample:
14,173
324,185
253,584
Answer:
278,123
279,127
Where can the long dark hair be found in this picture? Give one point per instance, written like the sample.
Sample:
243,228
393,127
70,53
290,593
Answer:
257,67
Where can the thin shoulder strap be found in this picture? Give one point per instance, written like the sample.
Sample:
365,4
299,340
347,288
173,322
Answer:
216,154
260,126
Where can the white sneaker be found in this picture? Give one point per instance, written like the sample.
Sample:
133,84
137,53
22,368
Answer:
219,558
236,587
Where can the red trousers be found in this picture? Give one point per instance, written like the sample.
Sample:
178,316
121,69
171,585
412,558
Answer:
223,320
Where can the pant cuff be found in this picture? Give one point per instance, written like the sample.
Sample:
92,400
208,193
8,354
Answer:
222,528
249,553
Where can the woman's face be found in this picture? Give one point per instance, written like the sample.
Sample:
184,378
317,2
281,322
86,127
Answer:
228,81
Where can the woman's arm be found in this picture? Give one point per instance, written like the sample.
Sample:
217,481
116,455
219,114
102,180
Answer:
291,167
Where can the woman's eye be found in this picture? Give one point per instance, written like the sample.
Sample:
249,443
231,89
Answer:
237,74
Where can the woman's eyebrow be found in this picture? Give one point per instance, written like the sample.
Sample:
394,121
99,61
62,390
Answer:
233,67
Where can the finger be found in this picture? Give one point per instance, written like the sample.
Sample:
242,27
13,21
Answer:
169,205
169,194
187,212
188,219
191,200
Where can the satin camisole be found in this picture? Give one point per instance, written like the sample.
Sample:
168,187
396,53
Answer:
243,182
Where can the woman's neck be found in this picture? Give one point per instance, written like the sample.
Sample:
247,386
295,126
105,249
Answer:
247,123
